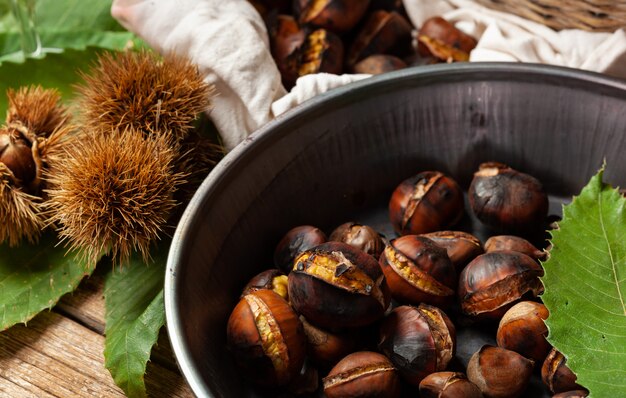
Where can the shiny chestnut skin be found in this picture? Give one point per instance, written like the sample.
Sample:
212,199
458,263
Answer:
16,155
572,394
499,373
335,285
426,202
556,375
271,279
440,39
494,282
418,341
361,236
286,38
383,33
325,348
379,63
522,329
295,241
338,16
363,374
505,199
448,385
321,52
418,270
266,339
515,243
460,246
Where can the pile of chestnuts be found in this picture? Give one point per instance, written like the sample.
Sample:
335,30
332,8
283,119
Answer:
355,36
357,314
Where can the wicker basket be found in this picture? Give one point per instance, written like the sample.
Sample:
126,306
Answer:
593,15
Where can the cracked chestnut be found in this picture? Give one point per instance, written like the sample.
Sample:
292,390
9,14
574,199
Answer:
429,201
335,15
360,236
295,241
505,199
522,329
440,39
418,270
362,374
266,339
515,243
326,348
460,246
335,285
556,375
271,279
499,373
448,385
494,282
286,38
321,52
418,341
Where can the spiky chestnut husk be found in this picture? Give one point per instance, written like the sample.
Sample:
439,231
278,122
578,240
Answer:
113,193
144,92
31,140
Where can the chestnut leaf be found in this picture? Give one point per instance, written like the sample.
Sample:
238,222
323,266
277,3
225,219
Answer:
585,288
34,277
135,312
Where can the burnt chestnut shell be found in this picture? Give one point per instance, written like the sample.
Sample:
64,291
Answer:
335,285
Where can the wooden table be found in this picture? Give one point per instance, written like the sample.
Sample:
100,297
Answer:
60,353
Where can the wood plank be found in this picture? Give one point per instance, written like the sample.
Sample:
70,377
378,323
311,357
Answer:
86,303
57,357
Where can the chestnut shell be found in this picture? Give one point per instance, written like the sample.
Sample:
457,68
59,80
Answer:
448,385
335,15
439,38
461,247
499,373
522,329
360,236
295,241
556,375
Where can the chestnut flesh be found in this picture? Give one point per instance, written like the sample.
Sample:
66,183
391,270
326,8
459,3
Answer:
494,282
499,373
360,236
442,40
271,279
295,241
522,329
448,385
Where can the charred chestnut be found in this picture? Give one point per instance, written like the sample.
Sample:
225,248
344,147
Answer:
508,200
326,348
362,374
515,243
493,282
266,338
360,236
522,329
556,375
460,246
295,241
418,270
418,340
335,285
442,40
383,33
499,373
335,15
271,279
378,64
286,38
429,201
448,385
322,51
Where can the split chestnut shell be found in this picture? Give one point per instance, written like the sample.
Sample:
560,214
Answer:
335,285
266,339
461,246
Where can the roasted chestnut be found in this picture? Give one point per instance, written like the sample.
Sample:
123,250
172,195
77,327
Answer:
418,341
448,385
271,279
306,382
418,270
429,201
286,38
383,33
335,15
572,394
322,51
266,339
326,348
439,38
515,243
335,285
556,375
460,246
499,373
378,64
362,374
360,236
508,200
522,329
295,241
493,282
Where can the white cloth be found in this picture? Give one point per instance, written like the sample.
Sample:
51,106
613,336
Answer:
228,41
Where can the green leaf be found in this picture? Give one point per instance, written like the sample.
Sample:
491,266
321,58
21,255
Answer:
33,278
135,313
585,288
